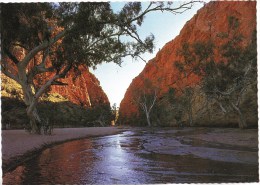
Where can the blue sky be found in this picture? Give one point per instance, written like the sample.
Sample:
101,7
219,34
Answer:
165,26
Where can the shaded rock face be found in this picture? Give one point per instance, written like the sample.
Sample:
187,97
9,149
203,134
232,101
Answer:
84,90
82,87
161,71
60,111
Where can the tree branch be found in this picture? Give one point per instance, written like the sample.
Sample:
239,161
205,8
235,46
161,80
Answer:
135,36
38,69
153,102
9,74
10,55
9,71
44,58
39,48
102,39
160,8
58,83
221,106
47,85
41,91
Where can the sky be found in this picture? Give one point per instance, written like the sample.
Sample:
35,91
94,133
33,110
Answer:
114,79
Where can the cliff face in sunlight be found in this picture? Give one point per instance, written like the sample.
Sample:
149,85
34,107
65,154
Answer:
84,90
161,71
70,110
82,87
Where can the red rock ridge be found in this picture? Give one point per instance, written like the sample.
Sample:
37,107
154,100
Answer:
85,90
161,71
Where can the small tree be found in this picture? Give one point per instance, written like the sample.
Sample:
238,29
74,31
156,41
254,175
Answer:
186,67
114,112
227,77
146,99
227,80
178,105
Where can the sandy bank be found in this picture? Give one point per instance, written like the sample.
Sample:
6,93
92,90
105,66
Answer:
16,143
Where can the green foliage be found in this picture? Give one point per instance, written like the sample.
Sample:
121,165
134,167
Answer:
57,109
13,113
185,66
69,35
172,95
100,114
59,114
114,113
21,22
233,22
228,78
194,57
224,79
9,88
93,31
179,104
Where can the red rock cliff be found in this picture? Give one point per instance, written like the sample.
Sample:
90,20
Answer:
85,90
161,71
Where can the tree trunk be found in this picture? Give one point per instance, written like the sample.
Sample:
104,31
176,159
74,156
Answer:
190,117
148,119
208,109
188,94
190,113
32,113
242,121
35,121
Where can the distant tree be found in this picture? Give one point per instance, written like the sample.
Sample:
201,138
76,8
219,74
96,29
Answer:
114,112
186,67
226,77
180,104
227,80
99,115
146,99
58,37
177,106
195,57
104,115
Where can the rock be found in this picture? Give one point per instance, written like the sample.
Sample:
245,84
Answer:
208,22
84,90
58,109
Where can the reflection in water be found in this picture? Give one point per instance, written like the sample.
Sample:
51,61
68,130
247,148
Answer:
56,165
131,157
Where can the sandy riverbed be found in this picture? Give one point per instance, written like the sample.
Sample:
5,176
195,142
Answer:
15,143
146,156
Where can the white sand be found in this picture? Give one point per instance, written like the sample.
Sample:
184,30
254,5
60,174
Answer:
15,143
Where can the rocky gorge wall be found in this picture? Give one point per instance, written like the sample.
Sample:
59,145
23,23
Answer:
80,87
78,104
161,71
84,90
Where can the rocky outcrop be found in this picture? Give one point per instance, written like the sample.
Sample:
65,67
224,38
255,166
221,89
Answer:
79,86
83,90
161,71
72,111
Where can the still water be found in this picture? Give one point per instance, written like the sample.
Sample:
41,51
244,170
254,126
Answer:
138,156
